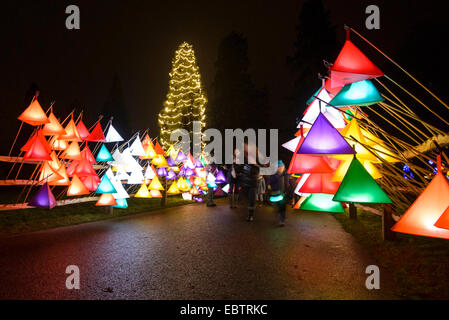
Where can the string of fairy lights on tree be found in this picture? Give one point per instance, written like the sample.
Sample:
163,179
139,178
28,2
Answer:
186,99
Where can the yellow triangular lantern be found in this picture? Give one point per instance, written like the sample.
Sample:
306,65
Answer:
143,192
155,184
173,189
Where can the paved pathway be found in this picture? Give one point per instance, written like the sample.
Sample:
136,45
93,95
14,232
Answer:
190,252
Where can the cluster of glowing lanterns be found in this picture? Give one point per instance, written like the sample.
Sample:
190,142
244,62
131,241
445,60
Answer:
331,159
143,162
329,155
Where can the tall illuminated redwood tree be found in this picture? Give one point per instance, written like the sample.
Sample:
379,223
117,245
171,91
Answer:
186,98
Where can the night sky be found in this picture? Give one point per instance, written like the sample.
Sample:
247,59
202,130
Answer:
136,40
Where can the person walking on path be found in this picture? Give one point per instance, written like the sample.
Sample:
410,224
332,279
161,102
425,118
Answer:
233,185
260,197
278,191
210,169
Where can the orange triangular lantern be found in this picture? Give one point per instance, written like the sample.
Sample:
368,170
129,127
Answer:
34,115
53,127
72,152
87,154
54,163
77,187
82,130
91,182
146,141
39,149
96,134
351,66
428,208
106,199
47,173
84,168
65,181
71,132
58,145
158,148
443,221
319,183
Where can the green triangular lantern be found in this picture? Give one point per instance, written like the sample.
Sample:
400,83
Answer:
105,186
361,93
321,202
358,186
104,155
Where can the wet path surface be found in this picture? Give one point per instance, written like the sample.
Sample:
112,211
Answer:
190,252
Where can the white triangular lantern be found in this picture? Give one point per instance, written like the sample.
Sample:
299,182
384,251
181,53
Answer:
313,110
292,144
149,173
113,135
137,148
136,177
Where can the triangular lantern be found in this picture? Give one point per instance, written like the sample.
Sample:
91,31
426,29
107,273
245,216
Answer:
321,202
424,215
71,132
82,130
319,183
358,186
351,66
48,174
44,198
87,154
113,135
158,149
91,182
323,138
121,204
105,186
361,93
72,152
136,148
104,154
96,135
65,181
39,149
155,184
53,128
77,187
34,115
173,189
106,199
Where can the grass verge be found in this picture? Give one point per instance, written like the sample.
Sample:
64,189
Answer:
419,265
27,220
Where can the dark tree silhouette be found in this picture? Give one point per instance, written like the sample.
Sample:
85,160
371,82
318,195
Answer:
115,107
234,100
316,41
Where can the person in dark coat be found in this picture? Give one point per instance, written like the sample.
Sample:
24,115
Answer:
279,188
247,175
231,178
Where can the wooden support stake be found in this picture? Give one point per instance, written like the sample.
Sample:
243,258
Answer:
352,211
387,223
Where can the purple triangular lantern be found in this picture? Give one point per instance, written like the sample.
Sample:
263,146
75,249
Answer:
44,198
189,172
171,175
198,164
171,162
182,172
219,192
161,172
323,138
220,177
181,156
